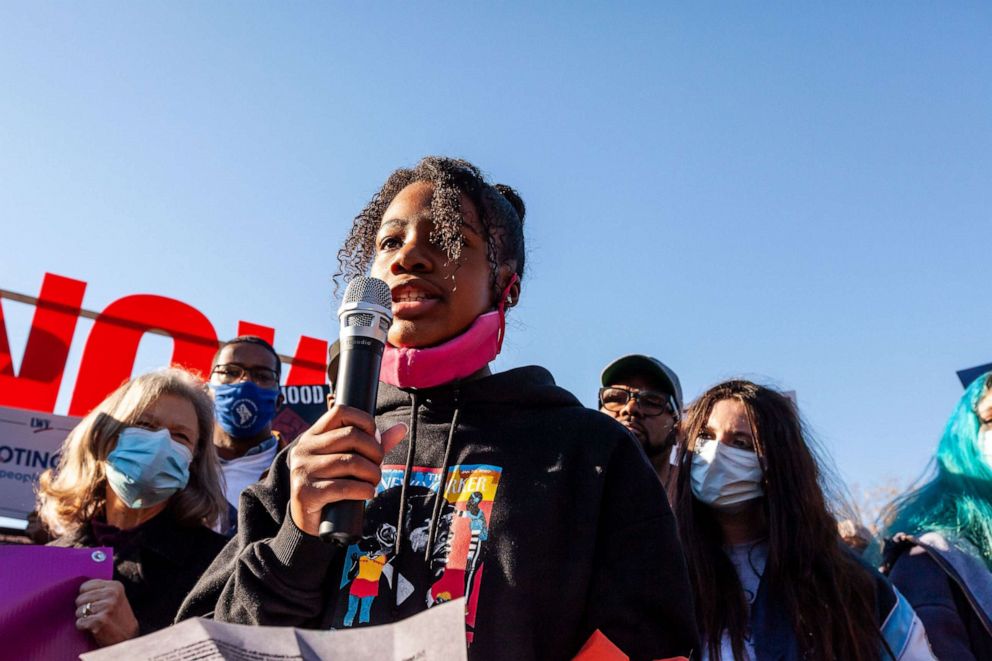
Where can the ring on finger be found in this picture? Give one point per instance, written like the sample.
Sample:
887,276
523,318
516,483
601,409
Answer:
87,609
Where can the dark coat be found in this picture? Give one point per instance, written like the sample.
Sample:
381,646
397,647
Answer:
774,639
946,592
159,567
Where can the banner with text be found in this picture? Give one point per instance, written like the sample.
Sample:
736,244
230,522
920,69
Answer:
302,405
29,445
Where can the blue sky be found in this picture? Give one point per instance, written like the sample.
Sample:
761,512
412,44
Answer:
800,195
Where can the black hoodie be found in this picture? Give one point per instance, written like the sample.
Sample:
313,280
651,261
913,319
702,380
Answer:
551,523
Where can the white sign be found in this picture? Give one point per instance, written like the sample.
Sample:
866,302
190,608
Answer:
437,634
29,444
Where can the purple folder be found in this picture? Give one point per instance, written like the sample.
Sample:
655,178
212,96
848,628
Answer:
38,589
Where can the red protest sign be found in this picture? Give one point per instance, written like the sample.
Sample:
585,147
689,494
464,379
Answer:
112,346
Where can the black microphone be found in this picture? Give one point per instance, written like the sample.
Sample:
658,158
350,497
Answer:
365,315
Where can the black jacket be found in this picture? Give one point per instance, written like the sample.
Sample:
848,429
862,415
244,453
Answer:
950,590
158,567
552,523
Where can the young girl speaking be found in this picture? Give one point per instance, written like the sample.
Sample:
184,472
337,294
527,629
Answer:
500,488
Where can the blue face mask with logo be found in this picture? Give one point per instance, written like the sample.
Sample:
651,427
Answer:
147,467
244,409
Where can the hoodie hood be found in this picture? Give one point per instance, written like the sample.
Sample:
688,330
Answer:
523,387
518,390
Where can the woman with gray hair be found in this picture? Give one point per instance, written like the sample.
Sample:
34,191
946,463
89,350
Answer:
139,474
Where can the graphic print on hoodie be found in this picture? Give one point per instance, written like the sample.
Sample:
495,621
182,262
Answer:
453,566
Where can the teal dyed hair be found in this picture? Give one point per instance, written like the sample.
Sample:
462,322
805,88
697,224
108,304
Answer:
957,500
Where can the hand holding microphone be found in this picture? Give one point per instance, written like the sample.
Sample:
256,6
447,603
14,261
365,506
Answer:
337,459
334,466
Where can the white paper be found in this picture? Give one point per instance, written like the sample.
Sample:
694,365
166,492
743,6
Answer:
437,634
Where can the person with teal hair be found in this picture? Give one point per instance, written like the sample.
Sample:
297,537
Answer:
938,550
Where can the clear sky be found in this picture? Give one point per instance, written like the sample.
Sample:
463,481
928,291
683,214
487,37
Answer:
798,194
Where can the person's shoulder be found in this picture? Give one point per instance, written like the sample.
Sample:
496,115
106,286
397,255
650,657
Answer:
607,445
916,561
601,425
913,563
904,554
535,387
208,536
206,545
65,542
78,538
589,427
915,573
200,538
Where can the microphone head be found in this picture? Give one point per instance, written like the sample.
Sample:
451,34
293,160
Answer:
367,303
368,290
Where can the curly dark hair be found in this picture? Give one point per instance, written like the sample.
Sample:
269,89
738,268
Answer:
501,213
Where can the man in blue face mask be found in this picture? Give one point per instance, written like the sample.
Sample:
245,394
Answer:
244,382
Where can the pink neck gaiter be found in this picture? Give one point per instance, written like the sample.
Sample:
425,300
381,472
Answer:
459,357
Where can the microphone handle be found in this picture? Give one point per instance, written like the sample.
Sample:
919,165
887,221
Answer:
357,386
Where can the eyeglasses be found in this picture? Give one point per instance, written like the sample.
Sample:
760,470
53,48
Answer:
614,398
232,373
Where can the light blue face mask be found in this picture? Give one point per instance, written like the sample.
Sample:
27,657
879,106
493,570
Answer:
147,467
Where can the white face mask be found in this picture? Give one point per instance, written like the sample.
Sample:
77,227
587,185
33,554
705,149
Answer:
723,475
985,445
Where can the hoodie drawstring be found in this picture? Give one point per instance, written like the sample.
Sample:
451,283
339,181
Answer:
411,447
439,496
